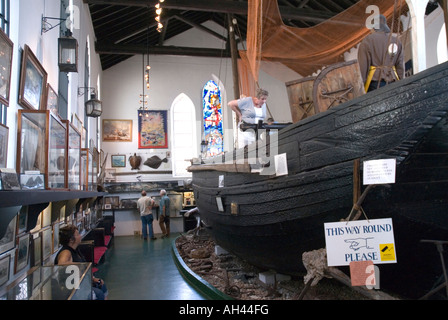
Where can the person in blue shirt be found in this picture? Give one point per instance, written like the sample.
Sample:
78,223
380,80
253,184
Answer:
164,208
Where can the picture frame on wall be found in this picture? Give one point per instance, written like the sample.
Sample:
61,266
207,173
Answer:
33,81
37,250
23,246
4,132
47,242
118,160
51,100
9,239
5,263
152,129
6,48
117,130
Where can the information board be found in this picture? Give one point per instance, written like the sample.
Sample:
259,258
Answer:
379,171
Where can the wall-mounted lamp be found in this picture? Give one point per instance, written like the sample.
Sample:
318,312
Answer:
67,46
68,53
93,107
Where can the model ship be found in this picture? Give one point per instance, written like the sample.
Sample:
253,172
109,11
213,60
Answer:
270,219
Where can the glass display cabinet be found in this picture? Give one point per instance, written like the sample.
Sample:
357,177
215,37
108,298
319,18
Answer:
84,169
67,282
73,158
95,162
41,147
87,180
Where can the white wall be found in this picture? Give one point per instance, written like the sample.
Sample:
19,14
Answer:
169,77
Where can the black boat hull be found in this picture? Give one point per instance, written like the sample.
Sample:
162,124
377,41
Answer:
277,218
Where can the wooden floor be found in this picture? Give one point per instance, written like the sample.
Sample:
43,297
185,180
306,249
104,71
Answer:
135,269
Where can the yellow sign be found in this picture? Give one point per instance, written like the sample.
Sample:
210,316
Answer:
387,252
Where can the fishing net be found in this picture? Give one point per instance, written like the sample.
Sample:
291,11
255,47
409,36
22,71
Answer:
304,50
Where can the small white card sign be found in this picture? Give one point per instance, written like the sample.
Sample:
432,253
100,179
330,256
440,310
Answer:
281,164
379,171
360,240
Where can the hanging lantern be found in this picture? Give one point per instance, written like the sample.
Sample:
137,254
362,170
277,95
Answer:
68,54
93,107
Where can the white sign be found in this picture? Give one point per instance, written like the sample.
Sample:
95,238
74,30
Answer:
281,164
379,171
360,240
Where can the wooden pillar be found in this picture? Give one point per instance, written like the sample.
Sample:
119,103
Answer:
234,56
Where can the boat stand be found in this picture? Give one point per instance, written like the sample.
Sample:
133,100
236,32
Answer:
439,245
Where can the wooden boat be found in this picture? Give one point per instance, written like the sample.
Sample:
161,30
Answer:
271,220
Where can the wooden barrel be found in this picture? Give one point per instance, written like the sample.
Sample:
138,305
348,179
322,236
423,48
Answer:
337,84
300,95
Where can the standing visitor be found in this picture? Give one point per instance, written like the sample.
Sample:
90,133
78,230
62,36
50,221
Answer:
164,207
144,205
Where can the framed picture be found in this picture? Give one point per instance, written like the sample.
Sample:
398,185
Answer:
117,130
107,206
22,251
4,132
76,122
32,181
118,160
55,236
9,239
37,250
22,219
9,179
47,243
152,129
5,262
51,100
6,47
33,81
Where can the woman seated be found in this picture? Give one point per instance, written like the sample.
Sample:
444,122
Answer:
70,239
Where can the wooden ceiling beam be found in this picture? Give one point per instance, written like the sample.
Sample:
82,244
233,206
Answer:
221,6
128,49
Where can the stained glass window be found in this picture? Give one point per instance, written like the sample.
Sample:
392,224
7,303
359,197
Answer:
212,113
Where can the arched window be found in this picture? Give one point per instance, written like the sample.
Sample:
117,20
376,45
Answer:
183,133
212,113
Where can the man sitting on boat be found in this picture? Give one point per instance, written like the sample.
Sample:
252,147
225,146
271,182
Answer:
380,57
249,110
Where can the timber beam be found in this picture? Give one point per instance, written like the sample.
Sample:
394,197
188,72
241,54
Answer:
222,6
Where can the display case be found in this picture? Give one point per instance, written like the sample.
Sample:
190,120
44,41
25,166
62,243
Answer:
84,169
95,166
67,282
73,158
88,182
41,146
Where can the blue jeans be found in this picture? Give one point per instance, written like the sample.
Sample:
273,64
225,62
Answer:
147,221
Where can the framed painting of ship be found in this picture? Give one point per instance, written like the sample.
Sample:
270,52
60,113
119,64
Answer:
117,130
152,129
